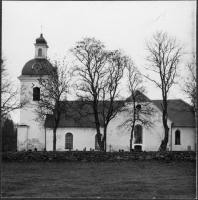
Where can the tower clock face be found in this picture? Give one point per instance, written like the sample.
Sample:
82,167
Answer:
37,67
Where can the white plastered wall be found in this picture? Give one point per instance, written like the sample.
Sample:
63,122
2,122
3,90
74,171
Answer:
155,134
119,138
35,133
82,138
187,139
22,138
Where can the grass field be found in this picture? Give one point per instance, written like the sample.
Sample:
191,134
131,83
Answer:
136,179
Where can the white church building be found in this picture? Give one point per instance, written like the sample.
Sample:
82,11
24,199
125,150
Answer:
70,136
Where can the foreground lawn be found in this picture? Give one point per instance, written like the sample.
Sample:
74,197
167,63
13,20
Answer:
138,179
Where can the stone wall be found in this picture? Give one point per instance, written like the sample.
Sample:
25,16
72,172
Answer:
95,156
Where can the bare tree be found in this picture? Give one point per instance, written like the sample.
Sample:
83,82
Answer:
110,93
164,59
52,105
10,94
137,107
189,84
99,74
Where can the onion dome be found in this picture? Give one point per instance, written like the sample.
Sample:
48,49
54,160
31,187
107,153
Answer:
41,40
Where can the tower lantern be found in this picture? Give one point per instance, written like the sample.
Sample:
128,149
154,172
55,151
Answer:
41,47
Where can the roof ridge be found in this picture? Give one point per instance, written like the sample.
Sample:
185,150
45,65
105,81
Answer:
162,99
141,96
92,101
185,103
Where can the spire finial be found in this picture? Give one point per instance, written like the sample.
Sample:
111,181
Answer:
41,31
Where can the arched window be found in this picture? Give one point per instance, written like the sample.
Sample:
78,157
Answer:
97,147
69,141
40,52
36,94
177,137
138,134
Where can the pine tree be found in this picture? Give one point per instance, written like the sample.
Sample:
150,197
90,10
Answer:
9,136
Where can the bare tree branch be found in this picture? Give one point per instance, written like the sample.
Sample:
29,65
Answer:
53,103
10,95
99,73
132,114
164,57
189,83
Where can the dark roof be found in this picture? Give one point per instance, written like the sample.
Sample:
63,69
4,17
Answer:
80,114
140,97
86,122
41,40
46,67
179,112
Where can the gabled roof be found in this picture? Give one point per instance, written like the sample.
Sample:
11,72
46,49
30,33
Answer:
81,112
140,97
179,112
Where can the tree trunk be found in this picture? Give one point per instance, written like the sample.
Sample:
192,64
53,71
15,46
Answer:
97,123
134,120
54,139
100,141
131,144
131,138
102,145
104,138
164,143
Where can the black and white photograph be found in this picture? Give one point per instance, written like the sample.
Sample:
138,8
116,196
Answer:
99,99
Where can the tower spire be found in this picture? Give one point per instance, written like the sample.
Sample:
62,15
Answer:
41,29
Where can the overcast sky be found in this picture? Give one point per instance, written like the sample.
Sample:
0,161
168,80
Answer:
118,24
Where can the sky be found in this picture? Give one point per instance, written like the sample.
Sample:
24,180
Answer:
122,25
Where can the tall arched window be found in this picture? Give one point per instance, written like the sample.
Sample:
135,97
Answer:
177,137
138,134
40,52
36,94
97,147
69,141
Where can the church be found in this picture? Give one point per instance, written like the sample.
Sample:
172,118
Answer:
72,137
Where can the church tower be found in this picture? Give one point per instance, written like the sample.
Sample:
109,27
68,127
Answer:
31,134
